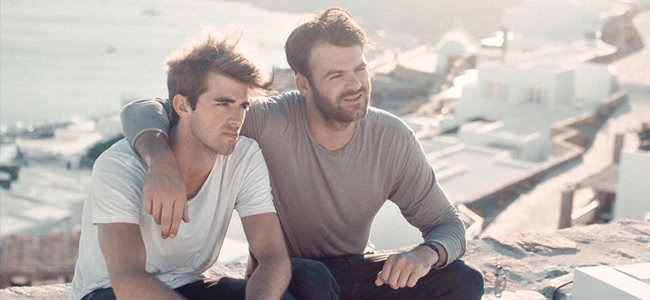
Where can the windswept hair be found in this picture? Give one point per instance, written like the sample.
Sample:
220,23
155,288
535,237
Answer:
334,26
187,72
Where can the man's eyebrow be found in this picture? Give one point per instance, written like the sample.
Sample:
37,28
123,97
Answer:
332,72
225,99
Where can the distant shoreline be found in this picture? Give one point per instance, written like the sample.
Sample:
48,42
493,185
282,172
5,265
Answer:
426,20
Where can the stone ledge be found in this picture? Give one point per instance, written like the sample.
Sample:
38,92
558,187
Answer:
535,263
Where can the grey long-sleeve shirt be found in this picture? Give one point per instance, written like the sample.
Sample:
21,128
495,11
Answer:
326,200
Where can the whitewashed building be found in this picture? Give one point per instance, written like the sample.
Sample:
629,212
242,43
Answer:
633,191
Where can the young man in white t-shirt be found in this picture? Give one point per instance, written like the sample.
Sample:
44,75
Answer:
121,252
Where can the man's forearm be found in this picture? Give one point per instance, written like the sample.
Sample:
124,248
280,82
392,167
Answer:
153,145
270,279
143,286
451,236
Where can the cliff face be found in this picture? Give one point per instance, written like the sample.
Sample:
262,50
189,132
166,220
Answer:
533,264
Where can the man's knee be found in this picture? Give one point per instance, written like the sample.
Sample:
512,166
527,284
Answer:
466,278
311,279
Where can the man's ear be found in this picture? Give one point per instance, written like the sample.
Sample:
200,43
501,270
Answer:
303,85
181,105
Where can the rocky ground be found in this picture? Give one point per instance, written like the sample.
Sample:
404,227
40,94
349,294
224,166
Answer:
534,264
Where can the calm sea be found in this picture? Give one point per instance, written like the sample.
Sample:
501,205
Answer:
66,58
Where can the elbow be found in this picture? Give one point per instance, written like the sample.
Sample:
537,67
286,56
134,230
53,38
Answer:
284,266
279,265
127,286
127,109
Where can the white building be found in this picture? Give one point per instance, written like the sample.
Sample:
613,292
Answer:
633,191
532,147
528,92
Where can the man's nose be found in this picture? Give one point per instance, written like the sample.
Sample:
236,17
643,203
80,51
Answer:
236,117
354,83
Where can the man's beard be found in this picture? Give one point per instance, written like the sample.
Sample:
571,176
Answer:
335,112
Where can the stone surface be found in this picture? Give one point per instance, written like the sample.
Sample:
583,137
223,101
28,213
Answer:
535,264
517,295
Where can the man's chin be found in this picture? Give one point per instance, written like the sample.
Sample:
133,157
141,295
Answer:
225,150
359,111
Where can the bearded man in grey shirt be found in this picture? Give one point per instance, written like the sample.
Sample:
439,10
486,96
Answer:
333,162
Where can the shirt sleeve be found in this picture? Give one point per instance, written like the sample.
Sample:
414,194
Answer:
115,195
144,115
424,204
255,193
270,116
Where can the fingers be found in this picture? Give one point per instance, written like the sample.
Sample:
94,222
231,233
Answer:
385,271
177,213
404,277
379,281
393,280
148,202
186,213
413,279
156,210
399,272
166,219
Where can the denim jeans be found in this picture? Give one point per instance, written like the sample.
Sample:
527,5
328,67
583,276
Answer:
309,280
356,275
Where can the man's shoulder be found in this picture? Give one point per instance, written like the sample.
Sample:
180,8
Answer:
244,145
278,102
245,150
120,157
383,121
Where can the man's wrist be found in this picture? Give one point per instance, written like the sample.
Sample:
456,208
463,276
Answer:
432,251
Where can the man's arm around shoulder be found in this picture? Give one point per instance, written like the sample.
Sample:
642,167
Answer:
271,277
124,253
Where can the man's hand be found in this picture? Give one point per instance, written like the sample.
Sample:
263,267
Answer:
406,268
164,195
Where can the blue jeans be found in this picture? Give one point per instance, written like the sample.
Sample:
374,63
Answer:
310,279
356,275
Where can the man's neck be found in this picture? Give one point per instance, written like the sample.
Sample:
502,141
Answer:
194,161
330,134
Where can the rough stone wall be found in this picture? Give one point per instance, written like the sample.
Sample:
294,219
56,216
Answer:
534,263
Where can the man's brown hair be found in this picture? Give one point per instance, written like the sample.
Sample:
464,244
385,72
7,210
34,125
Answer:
334,26
187,72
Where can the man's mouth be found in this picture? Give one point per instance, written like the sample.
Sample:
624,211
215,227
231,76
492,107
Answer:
353,98
233,134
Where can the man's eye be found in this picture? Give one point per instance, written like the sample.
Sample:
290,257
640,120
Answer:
335,76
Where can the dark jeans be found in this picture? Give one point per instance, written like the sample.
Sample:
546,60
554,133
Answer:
309,280
355,276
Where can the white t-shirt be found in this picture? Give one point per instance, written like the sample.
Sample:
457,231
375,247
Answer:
239,181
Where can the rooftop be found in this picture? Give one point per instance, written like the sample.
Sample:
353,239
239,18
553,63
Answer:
423,59
457,164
